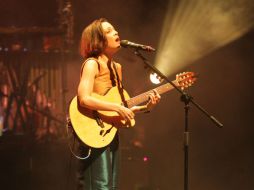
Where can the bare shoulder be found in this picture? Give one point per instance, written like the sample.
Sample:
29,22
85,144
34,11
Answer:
89,65
118,65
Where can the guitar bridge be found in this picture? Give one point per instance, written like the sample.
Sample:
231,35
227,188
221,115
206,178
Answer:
104,133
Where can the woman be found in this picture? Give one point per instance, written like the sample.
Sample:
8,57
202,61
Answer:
99,73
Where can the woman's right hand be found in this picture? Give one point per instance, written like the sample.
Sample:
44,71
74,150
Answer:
125,113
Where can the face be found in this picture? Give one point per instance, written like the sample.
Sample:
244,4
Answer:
112,37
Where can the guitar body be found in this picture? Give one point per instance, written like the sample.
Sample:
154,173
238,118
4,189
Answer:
97,128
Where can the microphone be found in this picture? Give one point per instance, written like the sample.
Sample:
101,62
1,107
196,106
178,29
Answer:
128,44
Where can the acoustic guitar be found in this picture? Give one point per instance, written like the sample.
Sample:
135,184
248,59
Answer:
97,128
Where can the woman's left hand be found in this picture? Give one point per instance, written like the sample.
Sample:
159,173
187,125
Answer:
154,98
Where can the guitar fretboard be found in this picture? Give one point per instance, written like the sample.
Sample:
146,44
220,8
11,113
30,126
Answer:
145,96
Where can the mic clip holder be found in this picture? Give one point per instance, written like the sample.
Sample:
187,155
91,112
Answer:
186,98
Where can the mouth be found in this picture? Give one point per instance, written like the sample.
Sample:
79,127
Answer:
117,39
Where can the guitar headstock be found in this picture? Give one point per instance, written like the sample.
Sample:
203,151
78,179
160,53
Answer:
185,79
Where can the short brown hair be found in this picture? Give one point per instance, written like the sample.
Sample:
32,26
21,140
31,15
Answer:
93,40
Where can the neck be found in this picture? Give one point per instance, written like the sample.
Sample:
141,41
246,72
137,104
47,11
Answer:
105,58
110,52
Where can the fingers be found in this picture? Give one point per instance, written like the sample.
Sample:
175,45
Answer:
126,113
154,97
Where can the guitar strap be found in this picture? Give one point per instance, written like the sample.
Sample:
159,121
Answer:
116,77
112,73
119,85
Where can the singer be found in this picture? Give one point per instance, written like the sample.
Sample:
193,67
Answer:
99,73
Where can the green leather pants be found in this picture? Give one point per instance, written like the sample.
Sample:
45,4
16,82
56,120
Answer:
100,171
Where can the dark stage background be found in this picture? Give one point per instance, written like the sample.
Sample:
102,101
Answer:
219,159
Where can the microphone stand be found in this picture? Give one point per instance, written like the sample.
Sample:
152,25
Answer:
187,99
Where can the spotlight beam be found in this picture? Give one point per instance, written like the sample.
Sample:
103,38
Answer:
192,29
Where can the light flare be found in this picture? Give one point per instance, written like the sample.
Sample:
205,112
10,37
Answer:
193,29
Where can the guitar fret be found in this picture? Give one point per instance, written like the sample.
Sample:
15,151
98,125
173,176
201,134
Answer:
145,96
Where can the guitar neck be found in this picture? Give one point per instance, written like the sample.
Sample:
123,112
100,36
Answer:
145,96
